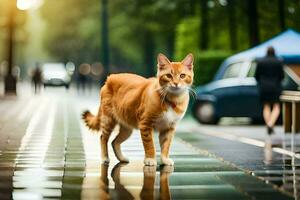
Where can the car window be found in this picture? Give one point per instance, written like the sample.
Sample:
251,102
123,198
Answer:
233,70
54,68
252,70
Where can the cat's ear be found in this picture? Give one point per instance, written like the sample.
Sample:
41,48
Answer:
188,61
162,61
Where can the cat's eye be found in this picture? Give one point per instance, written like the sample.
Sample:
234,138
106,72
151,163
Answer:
169,76
182,76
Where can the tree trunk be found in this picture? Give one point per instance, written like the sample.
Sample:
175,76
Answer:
204,27
232,24
10,80
281,8
149,50
170,44
104,40
192,7
253,23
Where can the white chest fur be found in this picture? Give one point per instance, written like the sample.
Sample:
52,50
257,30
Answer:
168,119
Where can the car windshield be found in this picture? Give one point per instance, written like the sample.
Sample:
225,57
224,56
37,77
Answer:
233,70
59,68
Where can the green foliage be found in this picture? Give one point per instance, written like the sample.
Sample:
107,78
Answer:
206,65
125,43
72,30
20,20
292,12
139,29
267,13
187,40
187,37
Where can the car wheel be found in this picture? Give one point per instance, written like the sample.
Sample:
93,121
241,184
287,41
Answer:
67,86
205,113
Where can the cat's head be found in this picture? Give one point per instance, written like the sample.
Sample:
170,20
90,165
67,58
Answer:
175,77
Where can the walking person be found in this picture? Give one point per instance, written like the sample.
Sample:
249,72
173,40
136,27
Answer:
269,75
37,79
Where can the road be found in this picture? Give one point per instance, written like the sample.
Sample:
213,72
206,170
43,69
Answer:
47,152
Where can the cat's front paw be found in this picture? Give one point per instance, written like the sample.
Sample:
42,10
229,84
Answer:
167,161
150,162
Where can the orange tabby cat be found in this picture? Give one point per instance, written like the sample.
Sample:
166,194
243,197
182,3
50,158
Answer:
132,101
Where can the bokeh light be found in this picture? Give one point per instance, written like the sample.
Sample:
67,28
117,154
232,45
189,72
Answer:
28,4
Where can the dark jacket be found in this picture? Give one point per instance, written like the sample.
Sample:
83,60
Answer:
37,76
269,74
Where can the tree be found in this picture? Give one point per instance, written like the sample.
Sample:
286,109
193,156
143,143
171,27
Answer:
149,53
281,9
253,22
72,32
153,24
232,24
204,27
105,50
139,29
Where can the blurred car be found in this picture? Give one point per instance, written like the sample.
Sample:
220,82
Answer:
55,74
235,94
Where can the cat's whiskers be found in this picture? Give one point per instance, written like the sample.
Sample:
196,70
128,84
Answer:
192,92
163,94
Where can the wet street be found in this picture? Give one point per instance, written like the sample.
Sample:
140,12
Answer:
46,152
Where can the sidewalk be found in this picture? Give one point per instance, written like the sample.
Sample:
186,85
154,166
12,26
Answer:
46,152
247,152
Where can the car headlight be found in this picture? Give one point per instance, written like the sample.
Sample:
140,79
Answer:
67,78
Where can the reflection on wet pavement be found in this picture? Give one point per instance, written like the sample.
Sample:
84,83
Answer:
268,153
279,169
119,190
48,153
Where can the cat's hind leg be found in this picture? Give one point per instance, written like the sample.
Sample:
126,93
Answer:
108,123
123,135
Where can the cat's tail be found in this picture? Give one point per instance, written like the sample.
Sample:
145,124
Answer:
91,121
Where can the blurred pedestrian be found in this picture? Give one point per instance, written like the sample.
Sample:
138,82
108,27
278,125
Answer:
83,77
269,74
37,79
16,72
